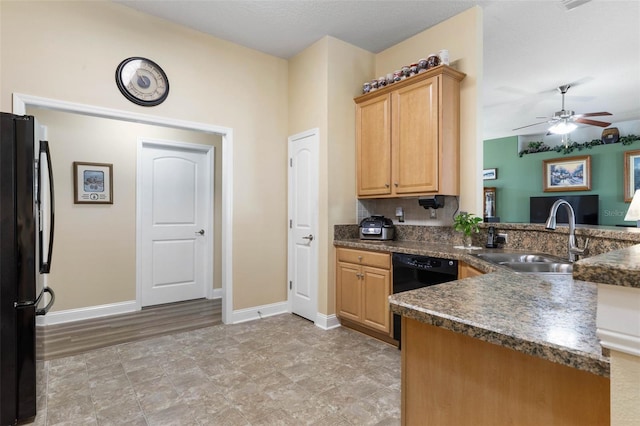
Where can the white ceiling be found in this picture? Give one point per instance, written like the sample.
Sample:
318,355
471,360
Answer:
530,47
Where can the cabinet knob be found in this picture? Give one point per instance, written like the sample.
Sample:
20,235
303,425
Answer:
386,185
359,258
395,184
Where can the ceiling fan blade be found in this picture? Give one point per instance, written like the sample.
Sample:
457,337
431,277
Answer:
593,114
592,122
529,125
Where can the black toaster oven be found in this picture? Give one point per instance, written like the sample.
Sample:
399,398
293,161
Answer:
377,228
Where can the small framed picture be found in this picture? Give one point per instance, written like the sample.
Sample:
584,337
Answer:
92,183
489,174
631,174
489,202
567,174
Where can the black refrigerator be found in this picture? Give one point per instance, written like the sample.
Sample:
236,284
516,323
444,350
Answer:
26,242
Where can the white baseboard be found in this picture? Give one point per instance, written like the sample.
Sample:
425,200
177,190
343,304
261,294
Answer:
216,293
91,312
327,322
257,312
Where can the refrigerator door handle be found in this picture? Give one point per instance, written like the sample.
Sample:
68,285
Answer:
44,310
45,267
28,303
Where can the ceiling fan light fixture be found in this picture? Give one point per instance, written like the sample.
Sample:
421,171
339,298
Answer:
572,4
562,128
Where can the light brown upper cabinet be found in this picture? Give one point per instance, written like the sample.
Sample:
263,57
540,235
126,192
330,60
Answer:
408,136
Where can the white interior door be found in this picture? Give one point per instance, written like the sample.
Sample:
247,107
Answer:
175,207
303,224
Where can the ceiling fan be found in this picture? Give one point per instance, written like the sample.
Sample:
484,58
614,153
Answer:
563,121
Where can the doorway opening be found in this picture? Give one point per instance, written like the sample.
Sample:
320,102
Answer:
21,102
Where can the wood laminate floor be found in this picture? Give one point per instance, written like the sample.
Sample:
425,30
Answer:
55,341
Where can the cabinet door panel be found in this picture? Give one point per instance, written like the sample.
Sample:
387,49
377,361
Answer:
373,140
415,138
349,292
377,288
466,271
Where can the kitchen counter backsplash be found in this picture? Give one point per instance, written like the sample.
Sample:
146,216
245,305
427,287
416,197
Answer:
428,234
520,236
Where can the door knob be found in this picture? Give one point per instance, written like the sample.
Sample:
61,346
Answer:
201,232
308,237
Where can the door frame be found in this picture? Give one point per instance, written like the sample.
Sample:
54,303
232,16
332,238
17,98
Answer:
21,101
209,150
315,134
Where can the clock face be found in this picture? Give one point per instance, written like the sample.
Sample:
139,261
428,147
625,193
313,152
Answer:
142,81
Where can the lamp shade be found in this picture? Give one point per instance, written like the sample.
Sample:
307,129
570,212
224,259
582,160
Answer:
634,208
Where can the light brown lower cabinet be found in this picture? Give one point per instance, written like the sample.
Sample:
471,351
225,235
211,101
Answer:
452,379
363,286
467,271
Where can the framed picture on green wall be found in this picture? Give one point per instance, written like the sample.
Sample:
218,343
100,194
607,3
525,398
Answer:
631,174
567,174
490,174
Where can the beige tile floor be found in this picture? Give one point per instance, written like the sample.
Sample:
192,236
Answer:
280,370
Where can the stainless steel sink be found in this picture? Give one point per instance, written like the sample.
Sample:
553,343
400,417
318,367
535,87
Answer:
517,257
538,263
540,267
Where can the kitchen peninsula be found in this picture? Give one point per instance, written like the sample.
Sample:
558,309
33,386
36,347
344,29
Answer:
502,348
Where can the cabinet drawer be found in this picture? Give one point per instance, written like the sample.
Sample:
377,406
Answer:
363,257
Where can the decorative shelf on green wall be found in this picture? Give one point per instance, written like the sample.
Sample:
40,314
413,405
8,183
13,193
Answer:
521,177
537,147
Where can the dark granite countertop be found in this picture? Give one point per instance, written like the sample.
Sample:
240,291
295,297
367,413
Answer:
447,251
549,316
617,267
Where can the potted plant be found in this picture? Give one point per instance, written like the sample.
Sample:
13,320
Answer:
467,223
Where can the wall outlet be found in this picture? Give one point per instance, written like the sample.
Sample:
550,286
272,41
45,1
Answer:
433,213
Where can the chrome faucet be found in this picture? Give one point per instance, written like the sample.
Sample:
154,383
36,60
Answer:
574,250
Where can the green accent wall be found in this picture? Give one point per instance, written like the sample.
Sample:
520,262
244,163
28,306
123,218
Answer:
521,177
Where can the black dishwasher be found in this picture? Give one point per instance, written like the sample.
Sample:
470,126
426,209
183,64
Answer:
411,272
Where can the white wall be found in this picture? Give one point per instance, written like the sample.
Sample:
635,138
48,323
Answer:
625,389
324,79
73,56
462,36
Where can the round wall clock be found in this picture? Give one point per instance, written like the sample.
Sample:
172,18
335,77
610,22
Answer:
142,81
